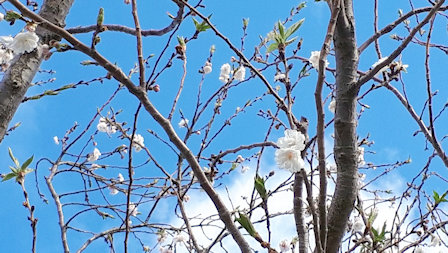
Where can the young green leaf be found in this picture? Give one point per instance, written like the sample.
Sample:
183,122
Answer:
246,224
26,163
272,47
16,162
281,29
9,176
260,187
439,199
292,29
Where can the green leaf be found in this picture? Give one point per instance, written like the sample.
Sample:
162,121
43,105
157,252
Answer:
9,176
13,169
26,163
379,237
281,29
290,41
11,16
246,224
234,165
196,23
260,187
272,47
16,162
203,26
181,40
292,29
439,199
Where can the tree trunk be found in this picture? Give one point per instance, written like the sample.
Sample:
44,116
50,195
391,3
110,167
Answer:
345,148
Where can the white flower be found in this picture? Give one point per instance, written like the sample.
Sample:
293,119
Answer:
419,249
133,211
314,60
358,225
240,73
94,156
105,127
290,146
138,142
183,123
279,76
56,140
24,42
244,169
292,139
402,67
94,166
179,238
284,246
435,241
165,250
6,40
361,161
379,62
289,159
239,159
112,190
186,198
120,178
2,16
332,105
207,68
146,248
225,73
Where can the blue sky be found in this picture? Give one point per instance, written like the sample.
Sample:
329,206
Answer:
386,121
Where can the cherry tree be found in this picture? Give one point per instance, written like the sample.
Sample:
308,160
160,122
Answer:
184,152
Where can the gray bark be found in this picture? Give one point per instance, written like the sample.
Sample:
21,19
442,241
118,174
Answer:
20,74
345,148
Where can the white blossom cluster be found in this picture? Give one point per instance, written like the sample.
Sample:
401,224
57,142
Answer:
105,127
398,66
288,156
239,74
138,142
24,42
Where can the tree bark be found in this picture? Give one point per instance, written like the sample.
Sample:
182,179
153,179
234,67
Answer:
20,74
345,148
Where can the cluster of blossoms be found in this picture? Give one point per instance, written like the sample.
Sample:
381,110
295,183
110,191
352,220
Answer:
24,42
207,68
105,127
138,142
224,76
239,74
95,155
394,66
288,156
